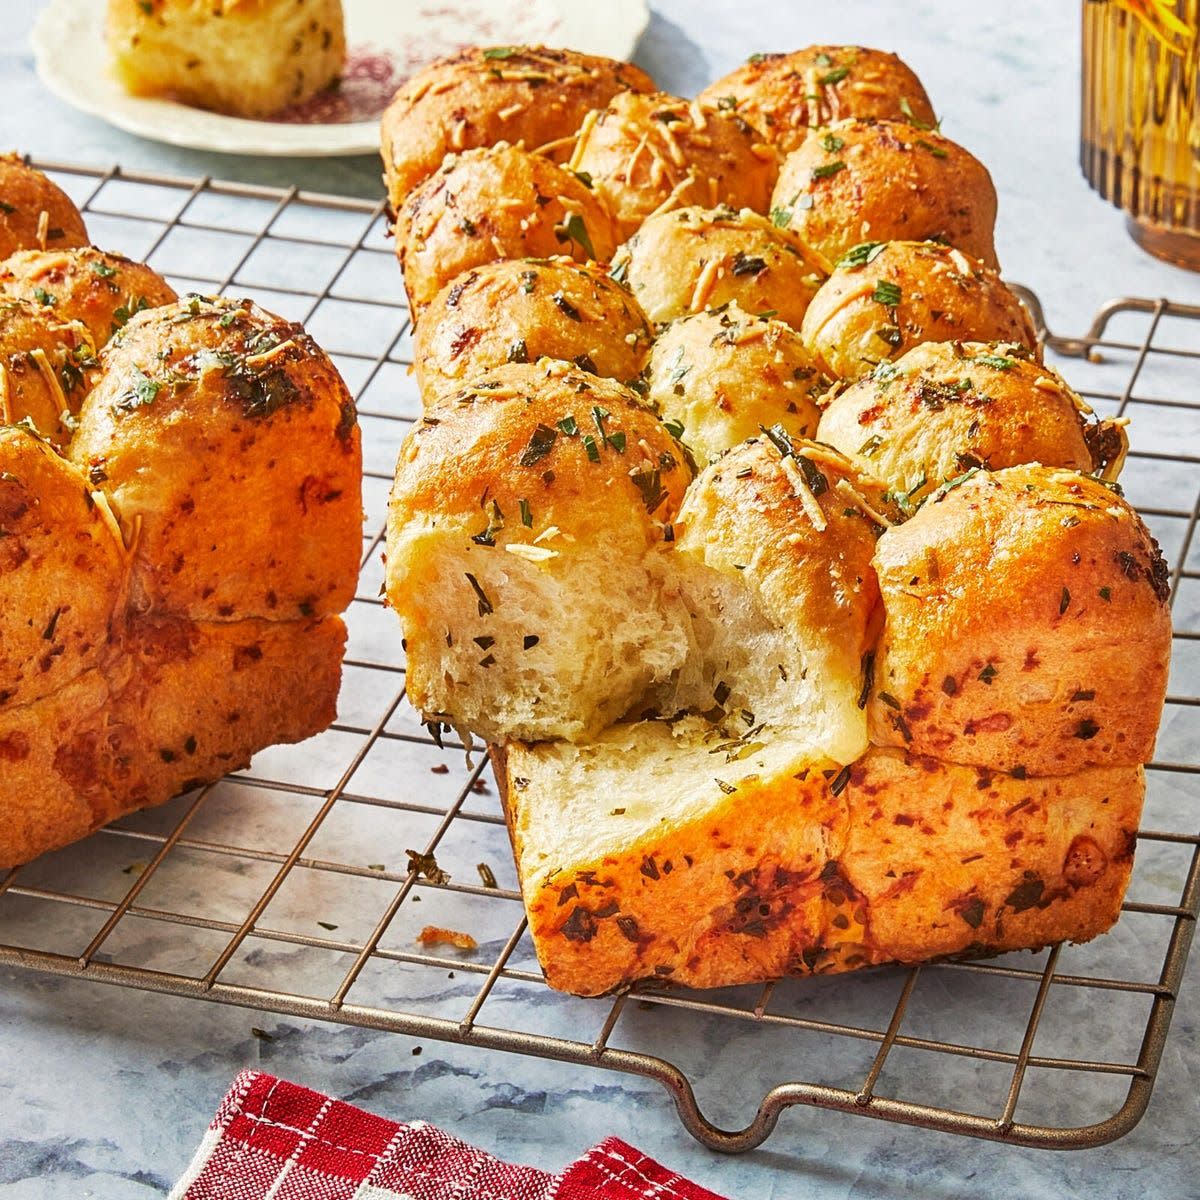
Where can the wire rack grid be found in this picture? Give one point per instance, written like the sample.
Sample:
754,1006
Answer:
286,887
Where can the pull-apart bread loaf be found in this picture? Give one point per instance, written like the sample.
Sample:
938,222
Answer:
170,582
828,703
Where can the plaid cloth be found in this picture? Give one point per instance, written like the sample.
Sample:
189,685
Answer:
274,1140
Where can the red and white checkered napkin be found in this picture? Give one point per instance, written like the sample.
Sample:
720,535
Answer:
277,1140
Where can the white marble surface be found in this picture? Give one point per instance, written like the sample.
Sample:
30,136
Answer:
104,1092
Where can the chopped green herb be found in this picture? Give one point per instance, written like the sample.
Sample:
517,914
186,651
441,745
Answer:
327,925
574,230
936,151
911,117
142,392
674,428
101,268
486,875
485,605
426,865
886,293
834,76
781,218
999,362
988,674
565,307
648,482
860,255
1064,601
826,170
526,513
540,444
569,426
44,298
832,143
500,52
590,448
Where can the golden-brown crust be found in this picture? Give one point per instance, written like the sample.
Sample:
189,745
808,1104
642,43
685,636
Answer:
1016,607
945,408
495,203
644,152
480,96
690,259
99,290
35,213
884,181
176,704
724,373
193,430
896,859
782,95
904,294
62,571
525,309
503,439
46,368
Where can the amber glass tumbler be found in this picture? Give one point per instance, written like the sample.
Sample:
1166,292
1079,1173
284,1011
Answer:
1140,136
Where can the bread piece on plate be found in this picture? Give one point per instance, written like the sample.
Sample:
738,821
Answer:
774,555
62,571
648,153
46,368
1026,626
35,213
490,204
483,95
781,95
175,705
687,260
229,446
247,58
724,373
98,289
525,553
893,296
659,852
520,310
884,181
945,408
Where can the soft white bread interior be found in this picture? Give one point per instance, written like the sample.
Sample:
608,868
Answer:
248,58
525,553
774,558
661,851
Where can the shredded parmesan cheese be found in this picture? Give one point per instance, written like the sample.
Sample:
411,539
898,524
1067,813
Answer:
531,553
43,228
705,282
847,489
52,383
585,130
804,494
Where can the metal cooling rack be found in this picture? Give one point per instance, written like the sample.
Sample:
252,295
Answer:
286,887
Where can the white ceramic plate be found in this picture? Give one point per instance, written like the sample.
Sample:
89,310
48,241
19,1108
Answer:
388,40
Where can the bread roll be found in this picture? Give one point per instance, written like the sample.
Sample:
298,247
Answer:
228,444
648,153
480,96
722,374
690,259
884,181
35,213
1021,607
46,367
247,58
61,571
774,551
945,408
495,203
180,704
520,310
783,94
514,498
99,290
649,854
903,294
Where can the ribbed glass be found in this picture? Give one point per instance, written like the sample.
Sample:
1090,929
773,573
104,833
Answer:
1140,135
